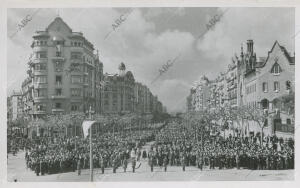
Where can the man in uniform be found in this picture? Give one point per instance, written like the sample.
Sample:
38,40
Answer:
102,163
151,158
79,165
183,160
165,162
133,159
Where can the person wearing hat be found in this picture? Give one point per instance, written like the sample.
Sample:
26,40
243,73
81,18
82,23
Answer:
133,159
151,158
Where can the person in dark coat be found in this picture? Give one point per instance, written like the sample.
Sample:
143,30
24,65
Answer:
165,162
79,166
151,158
183,161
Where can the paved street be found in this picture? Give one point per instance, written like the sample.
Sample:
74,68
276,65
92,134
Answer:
17,170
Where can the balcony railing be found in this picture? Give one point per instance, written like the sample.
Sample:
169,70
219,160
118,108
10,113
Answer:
58,110
58,96
59,58
58,84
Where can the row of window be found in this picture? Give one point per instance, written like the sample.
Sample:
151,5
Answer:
77,44
75,79
40,43
44,43
74,55
276,86
58,105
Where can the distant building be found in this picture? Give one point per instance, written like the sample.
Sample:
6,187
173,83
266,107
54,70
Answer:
119,92
232,81
14,106
200,95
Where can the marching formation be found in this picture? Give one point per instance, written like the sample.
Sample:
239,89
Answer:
66,155
174,145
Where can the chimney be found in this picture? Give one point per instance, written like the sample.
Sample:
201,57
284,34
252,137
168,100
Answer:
250,46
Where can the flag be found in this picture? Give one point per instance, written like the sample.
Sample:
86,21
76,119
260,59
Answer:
85,126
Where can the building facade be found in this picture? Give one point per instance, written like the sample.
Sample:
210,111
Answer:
200,95
14,106
63,73
118,93
260,83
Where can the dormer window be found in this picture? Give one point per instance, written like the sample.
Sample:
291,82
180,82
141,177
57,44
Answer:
276,69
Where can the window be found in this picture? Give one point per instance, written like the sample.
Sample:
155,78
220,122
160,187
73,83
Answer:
265,87
76,55
40,79
276,69
76,92
58,80
41,107
40,66
58,92
276,86
75,79
288,85
288,121
40,92
74,107
58,54
41,54
57,105
58,66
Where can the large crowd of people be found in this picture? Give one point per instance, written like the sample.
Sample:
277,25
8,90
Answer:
65,155
173,145
175,142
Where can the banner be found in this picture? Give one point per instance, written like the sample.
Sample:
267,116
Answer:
85,126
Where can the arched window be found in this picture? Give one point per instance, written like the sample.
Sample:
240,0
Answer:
276,69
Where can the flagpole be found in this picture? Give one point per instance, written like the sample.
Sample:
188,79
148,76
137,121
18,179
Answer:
91,151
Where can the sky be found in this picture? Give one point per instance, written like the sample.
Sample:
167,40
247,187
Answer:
150,37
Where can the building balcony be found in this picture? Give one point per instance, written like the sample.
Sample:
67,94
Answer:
76,61
58,58
58,84
37,112
58,97
36,98
40,60
40,85
58,110
85,84
40,72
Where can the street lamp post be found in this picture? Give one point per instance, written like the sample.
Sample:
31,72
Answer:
91,151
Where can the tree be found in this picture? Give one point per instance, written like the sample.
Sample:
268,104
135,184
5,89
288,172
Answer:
258,116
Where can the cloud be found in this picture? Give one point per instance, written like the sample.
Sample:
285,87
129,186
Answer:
263,25
145,41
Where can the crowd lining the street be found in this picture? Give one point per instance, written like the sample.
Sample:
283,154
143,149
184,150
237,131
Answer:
174,145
